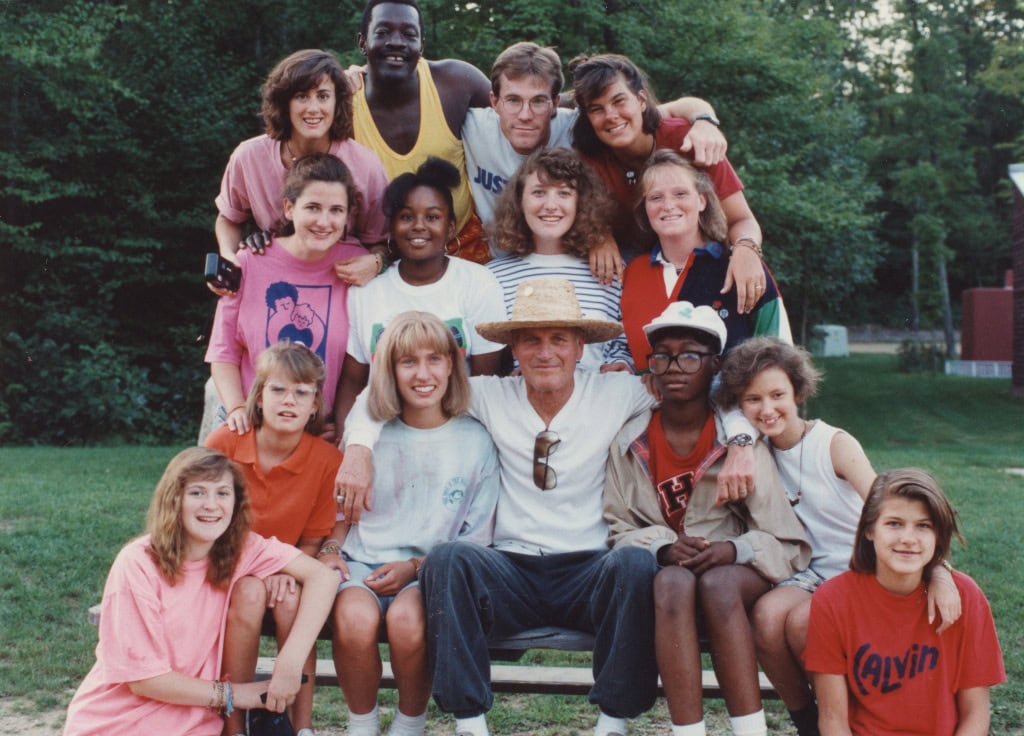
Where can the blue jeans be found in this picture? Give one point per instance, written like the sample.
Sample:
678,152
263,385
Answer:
473,593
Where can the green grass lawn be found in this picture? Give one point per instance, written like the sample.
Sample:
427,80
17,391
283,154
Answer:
64,513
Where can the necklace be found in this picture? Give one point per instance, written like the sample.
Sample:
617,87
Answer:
294,158
631,173
800,466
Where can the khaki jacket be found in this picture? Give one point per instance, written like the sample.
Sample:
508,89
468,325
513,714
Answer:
766,533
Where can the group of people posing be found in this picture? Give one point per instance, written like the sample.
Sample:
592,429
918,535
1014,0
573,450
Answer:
535,433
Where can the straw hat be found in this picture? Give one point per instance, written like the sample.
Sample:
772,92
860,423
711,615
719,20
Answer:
548,302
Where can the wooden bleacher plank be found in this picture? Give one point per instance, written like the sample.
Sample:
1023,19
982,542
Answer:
521,679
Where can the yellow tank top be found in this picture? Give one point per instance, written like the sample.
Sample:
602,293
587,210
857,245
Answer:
435,139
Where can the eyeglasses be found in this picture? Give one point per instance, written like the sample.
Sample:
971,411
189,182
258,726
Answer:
538,105
544,446
688,362
301,392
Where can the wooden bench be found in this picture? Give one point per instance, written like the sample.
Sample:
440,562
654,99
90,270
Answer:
511,678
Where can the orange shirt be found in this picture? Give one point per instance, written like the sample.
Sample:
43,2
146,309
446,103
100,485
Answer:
296,498
672,473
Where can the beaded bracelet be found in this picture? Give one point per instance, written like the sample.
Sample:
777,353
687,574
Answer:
748,242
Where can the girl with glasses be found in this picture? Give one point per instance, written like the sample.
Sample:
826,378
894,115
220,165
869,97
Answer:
289,473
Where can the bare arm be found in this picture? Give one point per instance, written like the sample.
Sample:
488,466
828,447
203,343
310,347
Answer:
486,364
353,379
179,689
229,235
745,269
833,704
319,586
851,464
227,377
975,712
704,140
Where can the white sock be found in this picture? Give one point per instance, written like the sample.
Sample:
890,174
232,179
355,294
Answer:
475,726
752,724
364,724
607,724
404,725
691,729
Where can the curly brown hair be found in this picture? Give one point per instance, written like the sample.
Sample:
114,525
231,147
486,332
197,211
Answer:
299,72
593,205
164,525
759,354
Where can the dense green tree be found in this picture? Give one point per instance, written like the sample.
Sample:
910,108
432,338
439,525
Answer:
119,118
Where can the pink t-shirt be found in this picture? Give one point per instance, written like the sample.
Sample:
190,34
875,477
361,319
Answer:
150,628
254,181
284,298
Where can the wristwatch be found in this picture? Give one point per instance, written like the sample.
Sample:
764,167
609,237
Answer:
741,440
710,118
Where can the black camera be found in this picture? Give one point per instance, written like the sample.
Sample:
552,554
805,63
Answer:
222,273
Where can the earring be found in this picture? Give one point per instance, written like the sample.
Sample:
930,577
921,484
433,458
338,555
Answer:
458,246
392,250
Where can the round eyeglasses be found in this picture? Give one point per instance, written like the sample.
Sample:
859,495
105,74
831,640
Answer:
688,361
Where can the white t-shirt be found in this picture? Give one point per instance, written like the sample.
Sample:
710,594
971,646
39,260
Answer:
429,486
491,161
466,295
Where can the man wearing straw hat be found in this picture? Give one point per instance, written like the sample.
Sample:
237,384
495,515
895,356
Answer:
549,564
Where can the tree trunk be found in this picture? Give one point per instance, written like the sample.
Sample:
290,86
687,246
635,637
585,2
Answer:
947,310
915,284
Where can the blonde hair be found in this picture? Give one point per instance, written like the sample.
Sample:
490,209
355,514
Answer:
164,524
712,222
404,335
299,364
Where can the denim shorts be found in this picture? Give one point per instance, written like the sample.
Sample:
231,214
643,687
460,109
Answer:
358,572
805,580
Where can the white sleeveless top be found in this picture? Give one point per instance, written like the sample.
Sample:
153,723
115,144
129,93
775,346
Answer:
829,507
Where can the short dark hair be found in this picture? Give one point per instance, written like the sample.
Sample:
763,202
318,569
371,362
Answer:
299,72
758,354
554,165
318,167
364,23
591,75
912,484
434,173
527,59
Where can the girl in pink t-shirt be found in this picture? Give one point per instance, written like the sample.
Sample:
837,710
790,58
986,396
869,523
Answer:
291,293
161,628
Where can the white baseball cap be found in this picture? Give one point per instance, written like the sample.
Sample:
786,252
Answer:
684,314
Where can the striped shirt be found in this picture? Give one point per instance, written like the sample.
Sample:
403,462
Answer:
596,301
